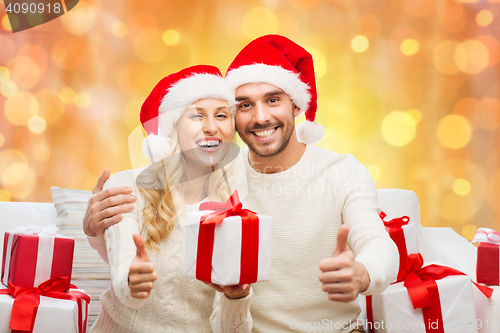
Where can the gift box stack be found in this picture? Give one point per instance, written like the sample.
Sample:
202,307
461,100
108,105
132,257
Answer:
425,298
228,245
37,294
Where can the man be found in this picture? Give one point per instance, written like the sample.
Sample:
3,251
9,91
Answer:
325,216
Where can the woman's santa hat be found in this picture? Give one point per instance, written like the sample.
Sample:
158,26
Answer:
277,60
171,97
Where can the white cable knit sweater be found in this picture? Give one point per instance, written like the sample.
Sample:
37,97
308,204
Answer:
177,303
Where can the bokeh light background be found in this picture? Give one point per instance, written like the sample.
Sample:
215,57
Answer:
410,87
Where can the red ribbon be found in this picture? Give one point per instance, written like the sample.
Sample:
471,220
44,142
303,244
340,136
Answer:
394,228
27,300
369,314
249,241
394,224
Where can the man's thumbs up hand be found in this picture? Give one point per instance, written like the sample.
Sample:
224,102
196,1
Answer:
141,274
343,277
342,241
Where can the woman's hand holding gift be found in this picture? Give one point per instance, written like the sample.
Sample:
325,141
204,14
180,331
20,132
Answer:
141,274
238,291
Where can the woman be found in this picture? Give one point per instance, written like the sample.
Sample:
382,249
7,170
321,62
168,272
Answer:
189,119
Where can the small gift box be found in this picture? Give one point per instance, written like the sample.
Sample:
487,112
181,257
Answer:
228,245
433,298
32,255
45,309
488,256
404,234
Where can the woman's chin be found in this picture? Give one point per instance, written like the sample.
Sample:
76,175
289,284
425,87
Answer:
209,160
201,160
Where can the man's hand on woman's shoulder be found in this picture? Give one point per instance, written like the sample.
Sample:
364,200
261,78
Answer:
105,208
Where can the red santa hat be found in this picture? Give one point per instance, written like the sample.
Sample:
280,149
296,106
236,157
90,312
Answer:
277,60
170,98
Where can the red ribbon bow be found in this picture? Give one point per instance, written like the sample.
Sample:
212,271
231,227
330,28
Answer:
27,301
418,279
233,206
249,239
423,291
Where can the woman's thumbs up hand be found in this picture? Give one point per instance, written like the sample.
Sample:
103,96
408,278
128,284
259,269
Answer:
141,274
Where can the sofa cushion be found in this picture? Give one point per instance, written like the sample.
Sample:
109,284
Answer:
90,272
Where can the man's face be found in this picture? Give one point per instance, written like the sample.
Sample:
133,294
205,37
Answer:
265,118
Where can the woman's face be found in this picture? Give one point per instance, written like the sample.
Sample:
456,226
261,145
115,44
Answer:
202,129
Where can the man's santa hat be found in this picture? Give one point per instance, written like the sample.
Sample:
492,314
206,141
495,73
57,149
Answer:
171,97
277,60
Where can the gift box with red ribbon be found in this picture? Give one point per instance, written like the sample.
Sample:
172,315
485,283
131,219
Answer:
433,298
32,255
47,308
228,245
404,234
488,256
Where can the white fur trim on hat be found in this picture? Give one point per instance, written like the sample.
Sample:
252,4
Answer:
156,147
309,132
188,91
284,79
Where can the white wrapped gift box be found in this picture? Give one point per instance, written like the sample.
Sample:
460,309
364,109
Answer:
226,260
53,315
393,309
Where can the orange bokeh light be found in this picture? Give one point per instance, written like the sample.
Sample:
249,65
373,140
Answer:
401,34
369,26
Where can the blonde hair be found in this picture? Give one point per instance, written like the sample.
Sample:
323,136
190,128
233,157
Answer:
165,199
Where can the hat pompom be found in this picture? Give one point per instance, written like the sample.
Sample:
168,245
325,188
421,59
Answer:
156,147
309,132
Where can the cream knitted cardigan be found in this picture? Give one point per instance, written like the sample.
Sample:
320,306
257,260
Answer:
177,303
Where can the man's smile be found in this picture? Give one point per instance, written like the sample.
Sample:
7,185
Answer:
266,134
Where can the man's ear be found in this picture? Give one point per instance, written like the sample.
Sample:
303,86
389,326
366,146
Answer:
296,111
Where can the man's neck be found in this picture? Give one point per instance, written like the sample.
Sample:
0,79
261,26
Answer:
286,159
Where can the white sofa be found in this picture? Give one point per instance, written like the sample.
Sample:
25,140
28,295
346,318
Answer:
436,244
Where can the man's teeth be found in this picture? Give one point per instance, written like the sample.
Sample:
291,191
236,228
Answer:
263,134
209,143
